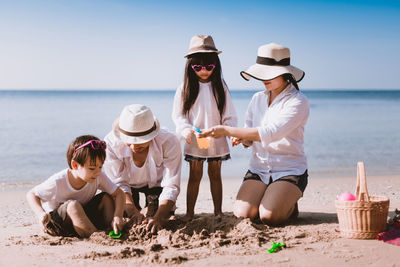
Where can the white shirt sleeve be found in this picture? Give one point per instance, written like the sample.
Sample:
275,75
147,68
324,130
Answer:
229,116
172,156
248,122
294,114
114,165
106,185
47,190
183,126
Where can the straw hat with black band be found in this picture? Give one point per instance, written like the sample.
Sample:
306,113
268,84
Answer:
272,61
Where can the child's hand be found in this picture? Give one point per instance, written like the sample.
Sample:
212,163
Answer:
44,218
117,224
235,141
189,137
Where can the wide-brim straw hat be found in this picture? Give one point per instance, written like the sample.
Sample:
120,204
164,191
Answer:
273,60
136,125
202,44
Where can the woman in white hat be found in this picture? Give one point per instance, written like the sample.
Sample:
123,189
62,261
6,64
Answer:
274,128
142,158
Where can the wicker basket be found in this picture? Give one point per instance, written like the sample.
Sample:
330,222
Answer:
365,217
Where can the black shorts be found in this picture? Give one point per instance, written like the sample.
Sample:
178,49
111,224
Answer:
152,196
301,181
193,158
60,225
154,191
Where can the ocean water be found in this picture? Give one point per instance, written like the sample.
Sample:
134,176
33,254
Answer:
344,127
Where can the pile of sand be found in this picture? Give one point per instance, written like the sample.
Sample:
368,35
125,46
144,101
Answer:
180,242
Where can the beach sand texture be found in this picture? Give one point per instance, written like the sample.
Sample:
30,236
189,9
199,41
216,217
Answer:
312,240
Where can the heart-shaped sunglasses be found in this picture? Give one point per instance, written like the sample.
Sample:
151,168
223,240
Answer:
198,68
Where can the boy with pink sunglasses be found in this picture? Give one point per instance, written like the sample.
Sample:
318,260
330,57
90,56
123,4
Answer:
66,204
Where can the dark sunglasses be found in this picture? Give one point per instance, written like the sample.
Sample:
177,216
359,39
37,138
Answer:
198,68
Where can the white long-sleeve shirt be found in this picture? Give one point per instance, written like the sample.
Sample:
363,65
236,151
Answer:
281,129
162,166
204,114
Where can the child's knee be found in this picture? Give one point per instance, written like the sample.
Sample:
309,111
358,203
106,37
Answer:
74,208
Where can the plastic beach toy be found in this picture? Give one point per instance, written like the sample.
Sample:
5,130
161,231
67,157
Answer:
115,235
196,129
204,142
276,247
346,196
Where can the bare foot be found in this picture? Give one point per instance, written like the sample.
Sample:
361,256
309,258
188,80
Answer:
187,217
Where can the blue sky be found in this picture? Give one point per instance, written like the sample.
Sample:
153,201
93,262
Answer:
140,44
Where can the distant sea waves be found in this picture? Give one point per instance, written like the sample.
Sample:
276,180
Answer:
344,127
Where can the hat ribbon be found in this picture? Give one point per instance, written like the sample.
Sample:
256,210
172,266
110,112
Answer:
138,133
272,62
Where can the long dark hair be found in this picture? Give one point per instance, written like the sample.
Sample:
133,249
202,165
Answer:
289,77
191,81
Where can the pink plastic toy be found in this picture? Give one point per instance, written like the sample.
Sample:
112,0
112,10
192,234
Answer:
346,196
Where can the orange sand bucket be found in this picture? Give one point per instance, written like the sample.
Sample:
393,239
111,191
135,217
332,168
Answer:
203,143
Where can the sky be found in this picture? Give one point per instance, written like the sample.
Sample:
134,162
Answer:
95,44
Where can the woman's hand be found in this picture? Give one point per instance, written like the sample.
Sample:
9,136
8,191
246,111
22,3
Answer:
215,132
135,216
152,225
246,143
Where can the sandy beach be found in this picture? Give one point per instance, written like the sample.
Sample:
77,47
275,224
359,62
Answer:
313,240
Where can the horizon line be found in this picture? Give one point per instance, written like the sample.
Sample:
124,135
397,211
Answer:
169,89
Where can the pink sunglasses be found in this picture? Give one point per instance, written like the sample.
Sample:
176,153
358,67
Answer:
198,68
95,144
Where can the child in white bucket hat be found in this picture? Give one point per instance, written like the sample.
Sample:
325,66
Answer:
203,101
274,128
144,158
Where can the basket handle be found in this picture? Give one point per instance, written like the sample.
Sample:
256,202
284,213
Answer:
361,190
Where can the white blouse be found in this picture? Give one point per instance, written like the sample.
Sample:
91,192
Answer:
281,129
204,114
162,166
